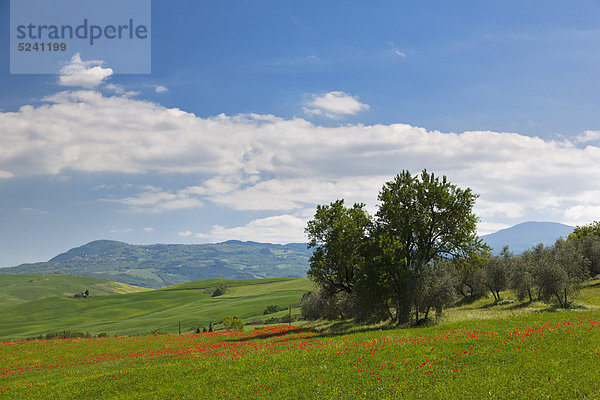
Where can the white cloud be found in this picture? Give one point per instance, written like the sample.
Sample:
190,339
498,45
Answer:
582,214
396,51
187,233
31,210
484,228
118,89
262,162
121,230
280,229
589,136
335,105
155,200
86,74
149,229
160,89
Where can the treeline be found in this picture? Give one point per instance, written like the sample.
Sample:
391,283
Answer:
551,274
420,251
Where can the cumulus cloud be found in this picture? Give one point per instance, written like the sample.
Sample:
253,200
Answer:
85,74
279,229
154,200
187,233
263,162
335,105
160,89
118,89
589,136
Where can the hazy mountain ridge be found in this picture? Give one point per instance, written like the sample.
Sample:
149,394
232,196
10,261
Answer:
159,265
525,235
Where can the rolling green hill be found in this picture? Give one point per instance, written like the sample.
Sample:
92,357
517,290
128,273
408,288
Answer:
160,265
131,313
23,288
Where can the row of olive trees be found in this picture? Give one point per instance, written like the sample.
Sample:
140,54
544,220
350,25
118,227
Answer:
550,273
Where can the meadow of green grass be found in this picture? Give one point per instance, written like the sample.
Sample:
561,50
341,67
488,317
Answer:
141,312
540,355
511,350
23,288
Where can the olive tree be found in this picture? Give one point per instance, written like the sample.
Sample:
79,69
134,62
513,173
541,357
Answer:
422,219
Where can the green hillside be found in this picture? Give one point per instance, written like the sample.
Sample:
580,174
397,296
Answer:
161,265
132,313
22,288
555,354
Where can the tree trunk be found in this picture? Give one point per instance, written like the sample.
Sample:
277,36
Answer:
559,299
416,315
403,313
529,293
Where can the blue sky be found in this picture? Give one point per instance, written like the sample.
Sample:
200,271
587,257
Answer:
257,111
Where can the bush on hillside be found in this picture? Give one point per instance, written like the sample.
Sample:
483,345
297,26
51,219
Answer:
220,290
273,309
233,323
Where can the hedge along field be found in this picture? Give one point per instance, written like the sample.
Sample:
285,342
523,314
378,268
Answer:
545,355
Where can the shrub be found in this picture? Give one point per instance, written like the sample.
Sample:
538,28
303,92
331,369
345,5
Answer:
318,304
273,309
233,323
158,332
220,290
67,334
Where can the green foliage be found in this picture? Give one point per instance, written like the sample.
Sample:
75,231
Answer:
388,264
233,323
522,277
586,239
496,272
220,290
158,332
589,247
318,304
592,229
273,308
66,334
337,235
434,288
470,283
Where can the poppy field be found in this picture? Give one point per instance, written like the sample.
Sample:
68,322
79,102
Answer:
545,355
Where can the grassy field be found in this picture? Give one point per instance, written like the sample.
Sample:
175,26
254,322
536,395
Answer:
479,350
137,313
23,288
543,355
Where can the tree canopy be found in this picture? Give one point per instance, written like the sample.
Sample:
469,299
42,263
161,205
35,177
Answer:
421,220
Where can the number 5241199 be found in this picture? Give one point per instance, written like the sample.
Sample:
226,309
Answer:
42,46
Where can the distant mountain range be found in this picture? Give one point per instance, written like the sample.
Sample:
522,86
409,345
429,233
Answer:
158,265
526,235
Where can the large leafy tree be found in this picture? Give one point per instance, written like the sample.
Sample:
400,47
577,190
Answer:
582,231
337,234
422,219
586,239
